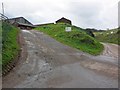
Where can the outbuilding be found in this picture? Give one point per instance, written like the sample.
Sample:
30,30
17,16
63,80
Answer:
64,20
21,22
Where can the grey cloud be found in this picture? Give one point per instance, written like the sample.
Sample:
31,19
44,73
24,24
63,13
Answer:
83,13
87,13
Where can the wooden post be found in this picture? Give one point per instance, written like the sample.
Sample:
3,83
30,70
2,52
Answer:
2,8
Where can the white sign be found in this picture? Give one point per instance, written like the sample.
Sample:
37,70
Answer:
68,29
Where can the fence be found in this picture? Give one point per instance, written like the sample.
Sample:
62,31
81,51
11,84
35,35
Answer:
3,18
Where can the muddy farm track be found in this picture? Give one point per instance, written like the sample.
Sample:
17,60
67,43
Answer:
50,64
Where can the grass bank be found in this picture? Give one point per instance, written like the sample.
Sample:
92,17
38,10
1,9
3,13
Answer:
109,36
0,46
77,38
10,46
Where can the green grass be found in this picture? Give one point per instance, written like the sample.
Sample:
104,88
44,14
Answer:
107,36
77,38
10,45
0,46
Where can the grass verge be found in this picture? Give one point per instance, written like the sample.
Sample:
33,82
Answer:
10,46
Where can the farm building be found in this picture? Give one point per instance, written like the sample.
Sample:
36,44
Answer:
43,24
64,20
21,22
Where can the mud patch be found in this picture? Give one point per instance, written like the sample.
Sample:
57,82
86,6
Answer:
103,68
56,81
111,50
58,77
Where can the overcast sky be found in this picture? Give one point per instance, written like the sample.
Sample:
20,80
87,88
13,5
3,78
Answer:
99,14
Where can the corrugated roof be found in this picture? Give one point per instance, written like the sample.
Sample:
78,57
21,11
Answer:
20,17
25,24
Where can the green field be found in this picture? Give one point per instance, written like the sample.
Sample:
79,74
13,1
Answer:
109,36
10,45
77,38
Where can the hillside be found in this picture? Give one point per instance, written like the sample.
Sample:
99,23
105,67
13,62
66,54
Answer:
109,36
10,45
77,38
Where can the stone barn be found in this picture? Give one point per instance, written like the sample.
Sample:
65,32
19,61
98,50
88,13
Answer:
21,22
64,20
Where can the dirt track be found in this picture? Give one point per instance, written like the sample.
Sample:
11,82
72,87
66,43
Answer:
52,64
111,50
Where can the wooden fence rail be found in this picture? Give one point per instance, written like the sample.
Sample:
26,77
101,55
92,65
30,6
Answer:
3,18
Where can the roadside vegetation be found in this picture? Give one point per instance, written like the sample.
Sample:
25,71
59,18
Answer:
0,46
10,45
77,38
109,36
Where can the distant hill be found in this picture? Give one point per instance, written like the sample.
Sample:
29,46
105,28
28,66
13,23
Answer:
94,30
109,36
78,38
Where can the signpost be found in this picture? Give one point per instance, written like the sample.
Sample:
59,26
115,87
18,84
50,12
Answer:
68,29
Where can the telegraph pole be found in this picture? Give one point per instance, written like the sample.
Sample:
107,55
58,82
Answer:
2,8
